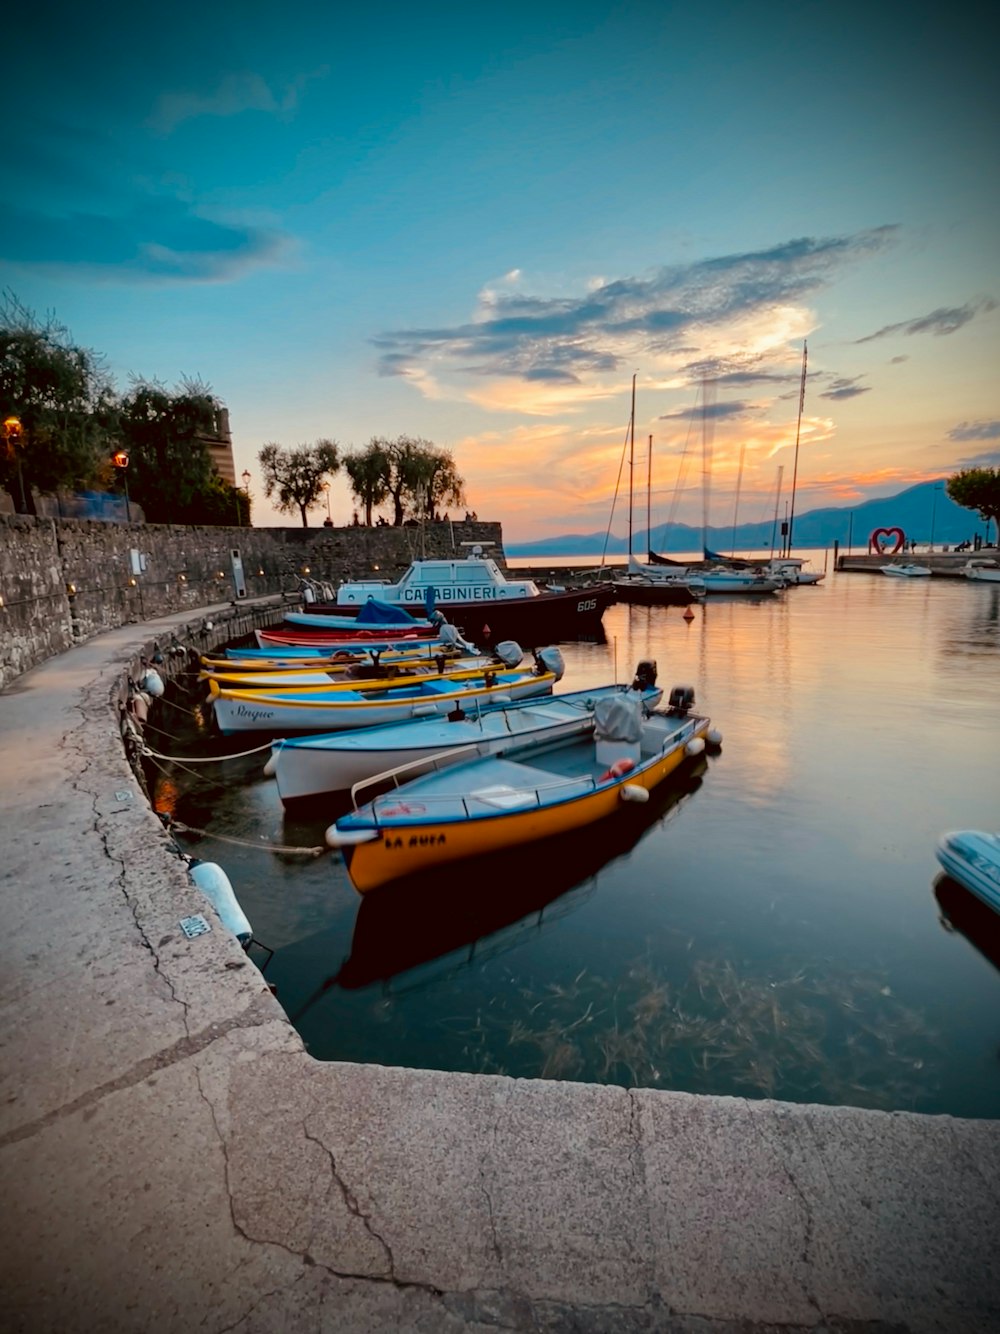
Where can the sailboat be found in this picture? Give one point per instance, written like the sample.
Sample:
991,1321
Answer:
654,584
719,574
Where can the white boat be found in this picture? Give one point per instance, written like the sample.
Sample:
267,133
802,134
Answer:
791,571
982,570
475,577
313,766
369,703
905,570
972,857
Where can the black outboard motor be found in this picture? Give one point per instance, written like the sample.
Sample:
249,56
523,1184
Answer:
645,675
681,700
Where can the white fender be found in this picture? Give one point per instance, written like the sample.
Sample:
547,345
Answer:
152,683
422,711
695,746
336,838
633,792
213,882
713,736
272,764
139,707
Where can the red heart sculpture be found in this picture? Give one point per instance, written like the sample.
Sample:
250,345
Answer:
875,541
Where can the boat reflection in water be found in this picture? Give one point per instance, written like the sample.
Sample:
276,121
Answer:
432,915
961,911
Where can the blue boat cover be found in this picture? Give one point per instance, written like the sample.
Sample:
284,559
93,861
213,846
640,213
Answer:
375,612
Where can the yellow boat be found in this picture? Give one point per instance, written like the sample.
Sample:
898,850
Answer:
436,814
367,703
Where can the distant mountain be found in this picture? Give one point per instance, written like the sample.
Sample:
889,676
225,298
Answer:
913,510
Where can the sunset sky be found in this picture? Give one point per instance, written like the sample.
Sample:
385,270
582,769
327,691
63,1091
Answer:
473,224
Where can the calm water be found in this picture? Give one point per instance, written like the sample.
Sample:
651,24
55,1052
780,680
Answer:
771,928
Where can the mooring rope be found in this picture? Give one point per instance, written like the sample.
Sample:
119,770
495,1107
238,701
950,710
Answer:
243,842
201,759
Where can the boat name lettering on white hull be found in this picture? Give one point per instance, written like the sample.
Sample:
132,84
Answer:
454,593
255,715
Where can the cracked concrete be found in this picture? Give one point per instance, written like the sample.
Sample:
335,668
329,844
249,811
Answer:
174,1160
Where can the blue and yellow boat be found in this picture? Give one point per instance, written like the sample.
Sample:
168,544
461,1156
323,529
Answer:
519,795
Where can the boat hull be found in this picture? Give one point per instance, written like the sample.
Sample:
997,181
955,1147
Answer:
654,593
406,841
316,766
972,857
533,621
255,711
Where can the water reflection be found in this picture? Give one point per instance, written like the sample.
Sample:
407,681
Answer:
431,915
778,938
963,912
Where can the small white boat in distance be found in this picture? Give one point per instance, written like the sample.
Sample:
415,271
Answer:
972,857
791,571
905,570
982,570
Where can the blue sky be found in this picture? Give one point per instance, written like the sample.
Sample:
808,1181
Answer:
473,225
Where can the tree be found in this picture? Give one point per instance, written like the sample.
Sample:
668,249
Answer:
296,476
163,433
64,399
419,476
368,470
977,489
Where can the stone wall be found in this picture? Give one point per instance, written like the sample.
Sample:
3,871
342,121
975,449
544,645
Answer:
64,580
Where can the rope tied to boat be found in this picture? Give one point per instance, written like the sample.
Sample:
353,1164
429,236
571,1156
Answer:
200,759
259,845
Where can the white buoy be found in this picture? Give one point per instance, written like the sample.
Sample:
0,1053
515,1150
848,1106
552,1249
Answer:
633,792
213,882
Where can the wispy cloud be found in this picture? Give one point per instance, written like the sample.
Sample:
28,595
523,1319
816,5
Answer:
945,320
981,430
843,386
732,308
237,93
156,240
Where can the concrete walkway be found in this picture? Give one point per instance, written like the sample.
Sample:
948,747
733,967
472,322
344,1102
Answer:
173,1160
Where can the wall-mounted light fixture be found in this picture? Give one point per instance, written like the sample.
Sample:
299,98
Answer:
71,590
375,566
305,569
222,574
260,571
182,578
133,581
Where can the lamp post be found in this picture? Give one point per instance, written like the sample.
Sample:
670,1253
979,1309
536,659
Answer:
329,512
246,491
937,488
120,460
12,432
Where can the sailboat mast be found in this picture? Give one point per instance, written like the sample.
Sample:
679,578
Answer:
777,500
795,469
739,486
649,493
631,459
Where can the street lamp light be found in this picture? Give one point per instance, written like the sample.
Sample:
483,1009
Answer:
329,512
12,432
120,461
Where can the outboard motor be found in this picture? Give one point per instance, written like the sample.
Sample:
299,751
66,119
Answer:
550,660
508,652
681,700
450,636
645,675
